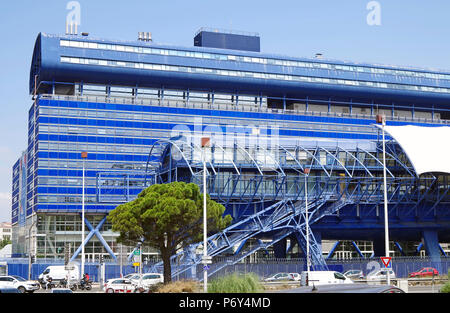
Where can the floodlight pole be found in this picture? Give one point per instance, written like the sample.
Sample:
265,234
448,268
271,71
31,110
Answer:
205,247
29,247
308,259
84,157
382,119
206,260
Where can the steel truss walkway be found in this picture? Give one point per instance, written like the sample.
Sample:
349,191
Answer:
263,188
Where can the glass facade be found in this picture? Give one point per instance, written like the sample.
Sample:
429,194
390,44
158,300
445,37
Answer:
257,75
251,59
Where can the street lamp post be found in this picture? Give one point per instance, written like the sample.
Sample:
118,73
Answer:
205,143
29,248
382,119
84,157
308,259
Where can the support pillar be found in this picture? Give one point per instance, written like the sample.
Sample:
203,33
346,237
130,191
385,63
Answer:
357,249
94,231
279,249
333,249
379,248
431,243
318,236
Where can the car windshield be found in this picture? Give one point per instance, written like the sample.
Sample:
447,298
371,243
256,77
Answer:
19,278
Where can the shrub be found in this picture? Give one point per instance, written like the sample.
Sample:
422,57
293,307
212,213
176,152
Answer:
446,288
236,283
179,286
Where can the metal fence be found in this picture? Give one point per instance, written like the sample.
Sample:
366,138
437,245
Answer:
402,266
263,267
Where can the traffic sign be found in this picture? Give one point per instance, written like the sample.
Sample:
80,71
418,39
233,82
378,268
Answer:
387,262
136,264
207,259
137,252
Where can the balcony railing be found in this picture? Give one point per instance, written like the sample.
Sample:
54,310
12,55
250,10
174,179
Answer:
226,106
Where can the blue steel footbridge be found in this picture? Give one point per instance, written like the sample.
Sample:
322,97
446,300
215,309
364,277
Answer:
263,187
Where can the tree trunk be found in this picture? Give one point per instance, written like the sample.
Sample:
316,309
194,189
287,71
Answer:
167,268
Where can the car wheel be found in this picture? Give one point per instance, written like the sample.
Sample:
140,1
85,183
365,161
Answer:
21,289
109,290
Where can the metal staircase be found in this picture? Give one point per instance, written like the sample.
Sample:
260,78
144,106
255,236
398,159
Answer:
282,219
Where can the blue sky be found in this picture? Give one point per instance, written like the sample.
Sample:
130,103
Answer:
412,33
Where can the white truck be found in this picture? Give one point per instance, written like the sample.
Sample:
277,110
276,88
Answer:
317,278
59,272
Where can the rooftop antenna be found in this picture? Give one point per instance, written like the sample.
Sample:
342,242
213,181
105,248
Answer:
145,36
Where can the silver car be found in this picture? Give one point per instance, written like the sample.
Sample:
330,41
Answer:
354,274
279,277
380,274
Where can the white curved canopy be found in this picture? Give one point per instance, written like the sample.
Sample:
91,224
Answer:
428,148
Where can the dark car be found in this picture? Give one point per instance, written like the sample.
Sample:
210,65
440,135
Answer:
424,272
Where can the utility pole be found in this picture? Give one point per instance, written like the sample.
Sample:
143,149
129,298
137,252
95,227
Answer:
139,247
382,119
206,259
84,157
308,259
29,247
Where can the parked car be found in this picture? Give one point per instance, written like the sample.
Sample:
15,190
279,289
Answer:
317,278
150,279
131,276
119,285
18,282
380,274
354,274
295,276
424,272
278,277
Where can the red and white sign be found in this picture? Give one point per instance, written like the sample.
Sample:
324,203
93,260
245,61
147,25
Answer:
386,261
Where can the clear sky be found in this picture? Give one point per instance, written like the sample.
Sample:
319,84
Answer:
412,33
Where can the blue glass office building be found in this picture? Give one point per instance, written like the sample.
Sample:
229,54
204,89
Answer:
116,99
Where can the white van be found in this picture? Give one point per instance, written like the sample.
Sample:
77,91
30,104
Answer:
323,278
59,272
